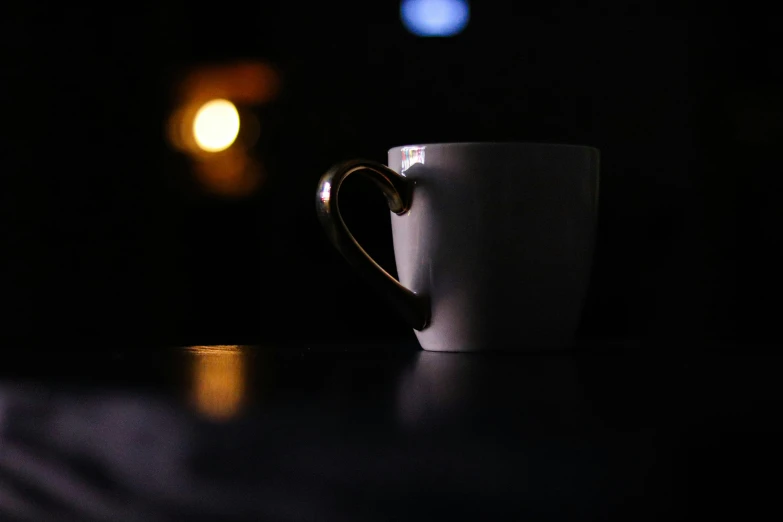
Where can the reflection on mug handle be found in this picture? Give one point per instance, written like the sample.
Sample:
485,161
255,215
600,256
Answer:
414,308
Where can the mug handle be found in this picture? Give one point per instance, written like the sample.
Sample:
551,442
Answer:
398,190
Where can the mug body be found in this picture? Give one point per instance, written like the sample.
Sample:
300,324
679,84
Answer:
499,237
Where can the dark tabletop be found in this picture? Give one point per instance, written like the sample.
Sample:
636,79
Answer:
388,433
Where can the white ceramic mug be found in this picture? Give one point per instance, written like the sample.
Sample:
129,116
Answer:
493,241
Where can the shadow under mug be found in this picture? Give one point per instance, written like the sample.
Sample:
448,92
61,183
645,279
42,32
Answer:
493,242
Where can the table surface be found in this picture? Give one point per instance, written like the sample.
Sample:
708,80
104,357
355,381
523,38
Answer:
386,433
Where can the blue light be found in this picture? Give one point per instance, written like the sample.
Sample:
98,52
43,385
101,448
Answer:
435,17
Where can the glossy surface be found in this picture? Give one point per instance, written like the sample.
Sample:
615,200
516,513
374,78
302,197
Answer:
377,433
500,237
413,307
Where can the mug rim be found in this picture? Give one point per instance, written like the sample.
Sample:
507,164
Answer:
481,144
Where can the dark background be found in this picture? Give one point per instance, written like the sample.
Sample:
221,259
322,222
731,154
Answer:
105,238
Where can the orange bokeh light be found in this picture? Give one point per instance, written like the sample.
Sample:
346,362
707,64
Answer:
244,82
232,173
219,146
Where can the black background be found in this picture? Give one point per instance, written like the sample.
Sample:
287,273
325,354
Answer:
105,239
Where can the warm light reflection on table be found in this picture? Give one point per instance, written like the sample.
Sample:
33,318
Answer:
219,380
